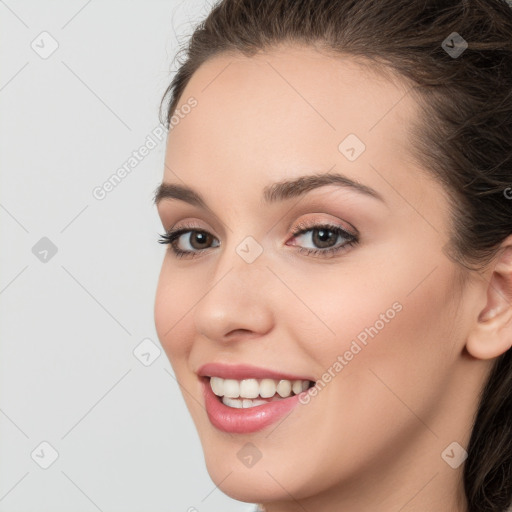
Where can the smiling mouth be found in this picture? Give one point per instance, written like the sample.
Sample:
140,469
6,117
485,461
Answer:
248,393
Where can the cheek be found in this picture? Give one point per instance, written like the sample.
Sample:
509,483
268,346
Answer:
398,322
398,287
174,298
343,306
406,360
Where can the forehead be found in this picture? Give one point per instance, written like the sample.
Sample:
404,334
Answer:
289,108
331,86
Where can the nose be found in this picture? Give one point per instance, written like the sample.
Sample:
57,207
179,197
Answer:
236,301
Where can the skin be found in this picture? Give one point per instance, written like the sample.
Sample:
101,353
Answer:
373,436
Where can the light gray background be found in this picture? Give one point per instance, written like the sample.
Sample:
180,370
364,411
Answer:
70,324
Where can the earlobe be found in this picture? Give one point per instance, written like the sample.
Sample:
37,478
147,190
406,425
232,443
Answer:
491,338
491,334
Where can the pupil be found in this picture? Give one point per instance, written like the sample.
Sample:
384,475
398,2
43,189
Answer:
199,238
321,237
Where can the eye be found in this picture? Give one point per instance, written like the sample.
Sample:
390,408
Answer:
324,240
186,241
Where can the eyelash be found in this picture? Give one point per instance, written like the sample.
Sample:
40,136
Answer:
351,239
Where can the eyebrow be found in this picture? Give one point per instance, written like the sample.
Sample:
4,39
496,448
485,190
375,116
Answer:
273,193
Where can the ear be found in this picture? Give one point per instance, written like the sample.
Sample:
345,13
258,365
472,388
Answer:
491,335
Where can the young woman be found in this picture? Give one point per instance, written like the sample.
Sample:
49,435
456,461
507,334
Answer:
336,298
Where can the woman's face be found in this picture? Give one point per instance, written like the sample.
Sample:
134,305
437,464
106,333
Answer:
362,301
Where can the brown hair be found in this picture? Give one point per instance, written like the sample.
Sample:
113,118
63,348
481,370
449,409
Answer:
463,137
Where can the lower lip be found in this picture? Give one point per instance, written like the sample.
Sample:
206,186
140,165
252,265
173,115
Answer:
245,421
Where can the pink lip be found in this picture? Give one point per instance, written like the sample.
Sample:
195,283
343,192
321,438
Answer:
244,371
244,421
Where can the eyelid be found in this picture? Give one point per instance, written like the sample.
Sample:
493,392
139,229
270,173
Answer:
172,216
187,225
303,226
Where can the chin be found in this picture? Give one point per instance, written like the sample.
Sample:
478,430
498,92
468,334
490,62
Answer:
252,485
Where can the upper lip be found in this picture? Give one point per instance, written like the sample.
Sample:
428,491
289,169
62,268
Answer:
244,371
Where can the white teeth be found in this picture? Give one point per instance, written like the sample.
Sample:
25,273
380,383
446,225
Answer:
249,389
297,386
239,403
284,388
231,388
217,385
232,402
267,388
